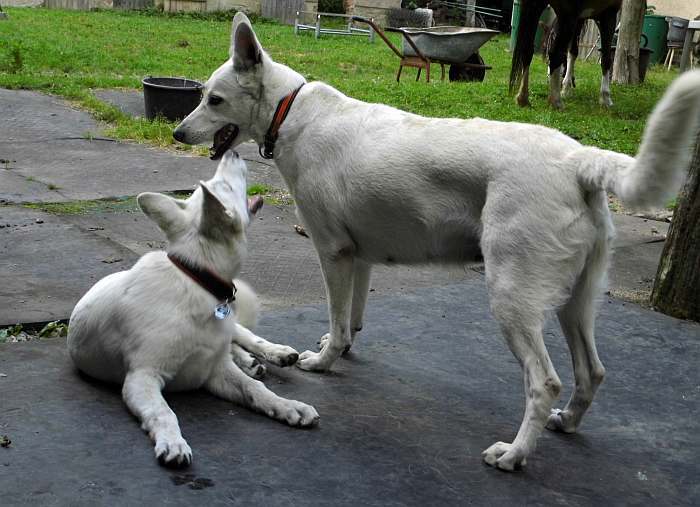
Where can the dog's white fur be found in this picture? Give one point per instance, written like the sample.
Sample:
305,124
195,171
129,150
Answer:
377,185
152,327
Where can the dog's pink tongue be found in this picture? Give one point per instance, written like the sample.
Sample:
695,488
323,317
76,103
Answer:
254,204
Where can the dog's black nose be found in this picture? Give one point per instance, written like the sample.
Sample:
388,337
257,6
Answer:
179,135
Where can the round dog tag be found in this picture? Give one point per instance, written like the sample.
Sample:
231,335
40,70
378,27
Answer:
222,311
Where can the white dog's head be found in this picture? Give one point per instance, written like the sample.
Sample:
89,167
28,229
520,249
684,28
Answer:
240,97
210,224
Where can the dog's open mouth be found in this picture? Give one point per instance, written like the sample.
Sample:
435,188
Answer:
223,139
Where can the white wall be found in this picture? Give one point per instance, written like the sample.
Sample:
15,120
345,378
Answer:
688,9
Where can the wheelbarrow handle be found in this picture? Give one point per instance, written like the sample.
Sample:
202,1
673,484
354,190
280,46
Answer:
379,32
409,39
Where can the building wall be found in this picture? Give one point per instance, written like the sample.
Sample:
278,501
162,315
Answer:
22,3
376,9
80,5
688,9
248,6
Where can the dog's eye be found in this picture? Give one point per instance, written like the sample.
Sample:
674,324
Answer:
215,100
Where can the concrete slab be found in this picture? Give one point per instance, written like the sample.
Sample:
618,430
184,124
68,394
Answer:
129,102
632,231
282,266
403,420
16,187
51,143
261,170
47,265
637,251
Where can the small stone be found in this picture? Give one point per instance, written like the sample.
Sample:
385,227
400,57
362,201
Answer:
155,171
39,221
3,375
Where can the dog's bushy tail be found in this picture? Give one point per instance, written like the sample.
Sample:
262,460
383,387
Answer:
246,306
658,170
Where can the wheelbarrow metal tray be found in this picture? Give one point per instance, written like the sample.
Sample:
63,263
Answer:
449,44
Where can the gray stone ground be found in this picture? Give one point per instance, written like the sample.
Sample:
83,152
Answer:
51,152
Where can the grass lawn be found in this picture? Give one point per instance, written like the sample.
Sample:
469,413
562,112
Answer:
70,53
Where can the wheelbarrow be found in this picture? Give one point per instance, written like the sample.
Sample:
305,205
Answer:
456,46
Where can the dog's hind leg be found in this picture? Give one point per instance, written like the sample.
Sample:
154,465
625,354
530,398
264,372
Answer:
230,383
542,385
360,289
247,362
519,299
142,394
577,319
280,355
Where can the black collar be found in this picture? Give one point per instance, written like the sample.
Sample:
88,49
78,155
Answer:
211,282
268,147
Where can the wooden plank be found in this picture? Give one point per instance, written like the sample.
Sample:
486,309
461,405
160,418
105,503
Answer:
283,11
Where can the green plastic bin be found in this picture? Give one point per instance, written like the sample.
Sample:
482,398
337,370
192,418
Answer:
546,18
655,28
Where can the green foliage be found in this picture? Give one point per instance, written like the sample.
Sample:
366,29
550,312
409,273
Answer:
113,205
7,332
259,189
12,62
56,329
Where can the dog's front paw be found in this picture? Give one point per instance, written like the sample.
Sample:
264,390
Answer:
173,452
504,456
281,355
325,340
296,413
313,361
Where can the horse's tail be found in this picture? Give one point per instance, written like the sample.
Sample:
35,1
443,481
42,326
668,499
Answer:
530,12
657,171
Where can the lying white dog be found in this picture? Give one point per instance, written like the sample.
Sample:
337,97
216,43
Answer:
167,323
377,185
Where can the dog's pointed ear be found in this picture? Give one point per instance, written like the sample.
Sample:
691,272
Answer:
167,212
215,216
246,51
238,19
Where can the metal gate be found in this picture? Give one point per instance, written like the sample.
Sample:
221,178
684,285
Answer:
283,11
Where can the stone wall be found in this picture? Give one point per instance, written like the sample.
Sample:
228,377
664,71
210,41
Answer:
22,3
80,5
376,9
248,6
687,9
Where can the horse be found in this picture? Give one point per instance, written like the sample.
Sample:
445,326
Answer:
571,15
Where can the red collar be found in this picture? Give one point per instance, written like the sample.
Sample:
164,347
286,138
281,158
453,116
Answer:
268,147
211,282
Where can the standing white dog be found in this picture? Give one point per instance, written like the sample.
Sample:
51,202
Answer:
167,322
377,185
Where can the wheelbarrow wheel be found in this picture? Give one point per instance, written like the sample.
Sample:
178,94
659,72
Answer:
460,72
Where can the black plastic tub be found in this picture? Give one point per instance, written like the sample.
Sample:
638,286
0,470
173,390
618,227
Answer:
170,97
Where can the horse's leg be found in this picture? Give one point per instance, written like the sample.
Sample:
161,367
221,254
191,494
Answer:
557,54
606,25
569,79
525,48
